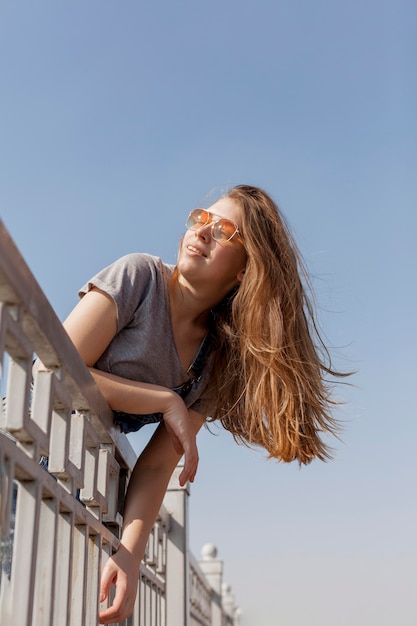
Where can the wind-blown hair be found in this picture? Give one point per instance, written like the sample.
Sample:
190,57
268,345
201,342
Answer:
268,385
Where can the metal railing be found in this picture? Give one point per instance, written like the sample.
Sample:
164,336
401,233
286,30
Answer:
58,524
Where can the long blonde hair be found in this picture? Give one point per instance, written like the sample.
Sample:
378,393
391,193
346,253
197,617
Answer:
268,383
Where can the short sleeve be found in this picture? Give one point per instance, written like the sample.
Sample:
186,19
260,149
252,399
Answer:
126,281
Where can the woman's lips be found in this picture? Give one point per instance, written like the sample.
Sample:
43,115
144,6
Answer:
195,250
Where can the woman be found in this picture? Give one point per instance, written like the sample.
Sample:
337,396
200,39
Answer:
227,334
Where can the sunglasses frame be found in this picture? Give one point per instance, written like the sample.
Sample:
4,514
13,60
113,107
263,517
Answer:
213,219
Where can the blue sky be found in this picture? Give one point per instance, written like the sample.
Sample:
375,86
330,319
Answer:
117,118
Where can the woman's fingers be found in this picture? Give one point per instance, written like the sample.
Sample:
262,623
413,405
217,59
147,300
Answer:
183,436
190,460
174,438
105,582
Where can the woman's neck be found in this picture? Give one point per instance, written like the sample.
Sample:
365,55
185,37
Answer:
188,305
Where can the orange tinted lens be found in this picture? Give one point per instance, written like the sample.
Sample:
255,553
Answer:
196,219
223,230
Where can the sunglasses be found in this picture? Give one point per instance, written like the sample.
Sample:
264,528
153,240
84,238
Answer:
222,230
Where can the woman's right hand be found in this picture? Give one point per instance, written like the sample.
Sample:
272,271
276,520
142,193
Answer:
122,571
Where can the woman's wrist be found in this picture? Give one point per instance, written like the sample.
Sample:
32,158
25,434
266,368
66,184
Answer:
171,401
133,540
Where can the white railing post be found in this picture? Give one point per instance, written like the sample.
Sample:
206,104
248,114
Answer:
177,579
212,568
229,606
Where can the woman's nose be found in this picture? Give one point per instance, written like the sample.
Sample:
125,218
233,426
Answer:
204,232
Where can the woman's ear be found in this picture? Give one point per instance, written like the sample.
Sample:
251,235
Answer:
241,275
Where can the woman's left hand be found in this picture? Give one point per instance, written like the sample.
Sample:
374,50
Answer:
182,428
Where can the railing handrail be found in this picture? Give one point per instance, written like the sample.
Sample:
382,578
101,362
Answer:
42,322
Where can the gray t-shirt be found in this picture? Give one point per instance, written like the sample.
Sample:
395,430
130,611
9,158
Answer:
144,348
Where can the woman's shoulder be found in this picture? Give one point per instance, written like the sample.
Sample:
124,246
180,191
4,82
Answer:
142,261
139,259
130,275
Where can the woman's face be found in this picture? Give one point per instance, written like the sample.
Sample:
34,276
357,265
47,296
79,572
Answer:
215,265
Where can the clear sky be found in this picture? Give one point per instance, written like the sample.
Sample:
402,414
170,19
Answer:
117,118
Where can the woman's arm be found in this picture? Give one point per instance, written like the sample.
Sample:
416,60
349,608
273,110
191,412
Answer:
91,326
144,497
